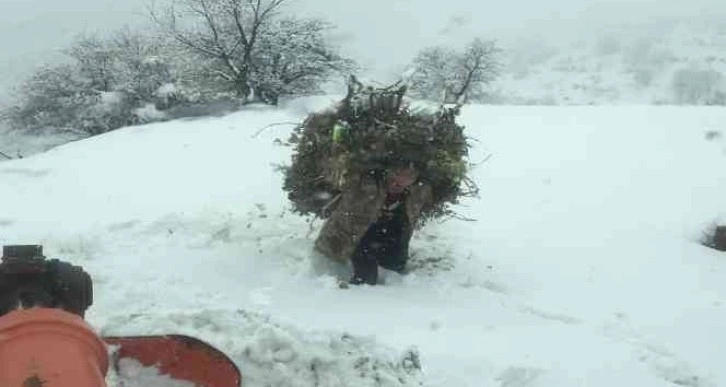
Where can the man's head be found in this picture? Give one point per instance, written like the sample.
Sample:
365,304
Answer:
400,179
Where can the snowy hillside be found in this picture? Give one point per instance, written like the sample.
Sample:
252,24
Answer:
581,269
640,64
17,144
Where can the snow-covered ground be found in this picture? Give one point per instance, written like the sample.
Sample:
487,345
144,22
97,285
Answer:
582,268
133,374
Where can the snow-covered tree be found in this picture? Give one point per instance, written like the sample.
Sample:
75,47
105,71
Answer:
94,59
143,65
246,49
443,74
105,81
295,57
224,32
52,97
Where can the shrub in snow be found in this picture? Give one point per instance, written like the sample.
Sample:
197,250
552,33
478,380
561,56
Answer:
203,109
443,74
715,238
343,158
52,97
699,87
608,45
105,83
644,53
144,66
110,111
712,135
149,113
643,77
166,96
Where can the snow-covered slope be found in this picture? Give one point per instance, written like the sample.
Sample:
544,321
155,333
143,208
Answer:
582,269
622,64
18,144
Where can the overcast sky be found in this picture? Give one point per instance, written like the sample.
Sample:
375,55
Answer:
381,33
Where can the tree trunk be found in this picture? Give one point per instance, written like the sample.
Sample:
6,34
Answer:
242,88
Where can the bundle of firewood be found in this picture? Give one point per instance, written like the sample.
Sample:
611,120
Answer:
343,158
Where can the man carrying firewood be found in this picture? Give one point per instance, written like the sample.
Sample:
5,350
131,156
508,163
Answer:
376,170
385,243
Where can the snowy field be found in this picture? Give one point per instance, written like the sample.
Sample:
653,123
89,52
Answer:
582,268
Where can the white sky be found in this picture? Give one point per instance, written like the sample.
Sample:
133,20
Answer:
381,33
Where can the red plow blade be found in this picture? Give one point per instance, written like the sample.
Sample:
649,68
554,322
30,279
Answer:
180,357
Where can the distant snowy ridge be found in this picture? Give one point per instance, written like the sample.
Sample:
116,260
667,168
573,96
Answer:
670,63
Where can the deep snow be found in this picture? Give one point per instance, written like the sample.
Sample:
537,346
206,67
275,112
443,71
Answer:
582,267
133,374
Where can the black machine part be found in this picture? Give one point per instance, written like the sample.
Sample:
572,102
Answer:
28,279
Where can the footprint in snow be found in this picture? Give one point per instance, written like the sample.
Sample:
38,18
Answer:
663,362
25,172
552,316
518,377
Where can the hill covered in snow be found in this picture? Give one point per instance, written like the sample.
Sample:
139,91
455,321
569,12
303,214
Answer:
582,267
664,62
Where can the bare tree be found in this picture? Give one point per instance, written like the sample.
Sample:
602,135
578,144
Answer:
478,66
693,86
225,31
441,73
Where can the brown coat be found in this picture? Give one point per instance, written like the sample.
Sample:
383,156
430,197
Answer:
357,209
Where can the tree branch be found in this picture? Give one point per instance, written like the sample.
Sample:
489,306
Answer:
326,210
224,75
471,71
170,27
237,15
207,14
260,16
257,133
179,37
6,156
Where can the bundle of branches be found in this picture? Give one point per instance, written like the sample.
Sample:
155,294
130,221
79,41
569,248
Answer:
344,156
